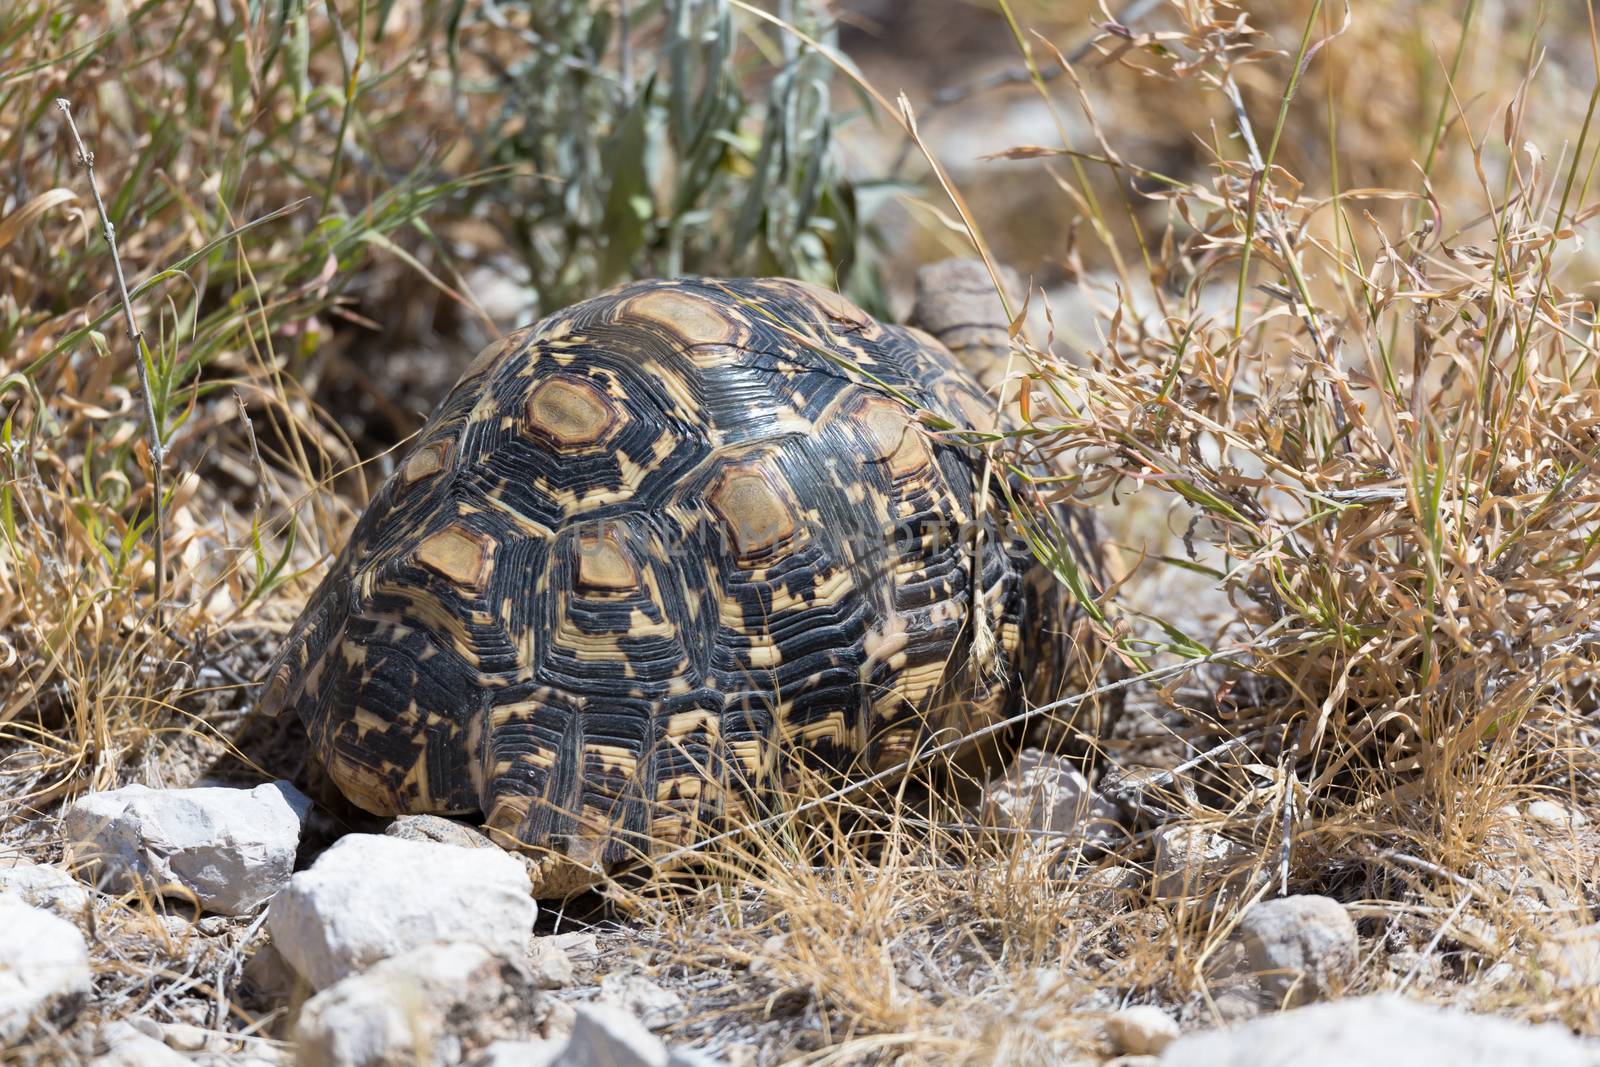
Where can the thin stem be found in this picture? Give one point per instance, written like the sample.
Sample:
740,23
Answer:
625,50
352,88
1262,166
141,365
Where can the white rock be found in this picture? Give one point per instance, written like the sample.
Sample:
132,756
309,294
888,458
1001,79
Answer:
261,1056
535,1053
558,1024
1369,1031
1554,815
187,1037
1045,793
1190,861
577,946
44,967
607,1036
230,849
549,963
45,887
1142,1030
371,897
423,1007
1573,958
641,998
126,1046
689,1057
438,829
773,951
1299,948
1109,888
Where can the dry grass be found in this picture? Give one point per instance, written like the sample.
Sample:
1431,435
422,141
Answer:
1367,415
1343,371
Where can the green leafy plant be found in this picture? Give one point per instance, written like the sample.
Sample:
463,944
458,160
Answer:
667,138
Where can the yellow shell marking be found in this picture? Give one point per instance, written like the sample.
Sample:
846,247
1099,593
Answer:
894,437
458,554
604,565
693,319
756,515
830,727
425,462
570,412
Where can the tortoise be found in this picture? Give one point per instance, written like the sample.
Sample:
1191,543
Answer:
658,555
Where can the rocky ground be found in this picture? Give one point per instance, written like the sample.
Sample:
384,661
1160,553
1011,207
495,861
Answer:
217,924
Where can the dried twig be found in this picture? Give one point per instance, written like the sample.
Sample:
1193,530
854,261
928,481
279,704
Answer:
152,424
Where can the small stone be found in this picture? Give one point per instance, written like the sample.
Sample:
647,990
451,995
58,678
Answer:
228,849
364,901
1381,1030
146,1026
439,830
1554,815
442,831
41,886
692,1057
44,968
550,966
774,948
1238,1002
537,1053
606,1036
640,997
577,945
432,1005
1299,948
1192,862
1573,958
1046,794
261,1055
129,1046
1109,888
558,1024
1142,1030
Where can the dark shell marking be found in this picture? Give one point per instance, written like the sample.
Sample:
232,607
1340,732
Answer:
647,560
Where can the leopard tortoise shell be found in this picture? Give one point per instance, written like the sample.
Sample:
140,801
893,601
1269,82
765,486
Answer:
655,555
